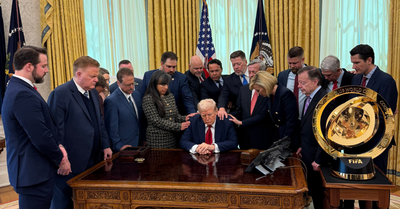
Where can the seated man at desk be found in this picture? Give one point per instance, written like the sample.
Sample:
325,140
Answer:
208,134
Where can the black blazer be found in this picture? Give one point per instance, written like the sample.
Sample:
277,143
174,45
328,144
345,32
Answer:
284,114
311,151
346,81
208,89
252,133
230,91
194,85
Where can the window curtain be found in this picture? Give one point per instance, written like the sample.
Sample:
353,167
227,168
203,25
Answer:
393,69
63,34
116,30
173,25
293,23
232,24
345,24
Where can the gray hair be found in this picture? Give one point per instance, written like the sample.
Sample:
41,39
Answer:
263,67
331,63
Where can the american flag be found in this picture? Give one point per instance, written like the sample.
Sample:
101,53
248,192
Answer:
205,46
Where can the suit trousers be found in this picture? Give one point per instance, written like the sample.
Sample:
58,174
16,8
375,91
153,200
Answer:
62,198
36,196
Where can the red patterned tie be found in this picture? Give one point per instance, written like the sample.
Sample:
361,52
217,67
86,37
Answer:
364,82
253,102
334,85
209,135
201,79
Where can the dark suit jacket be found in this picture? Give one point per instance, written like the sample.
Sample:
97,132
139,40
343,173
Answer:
75,127
284,114
208,89
179,87
346,81
311,151
123,127
385,85
225,135
194,85
254,126
33,154
138,84
230,91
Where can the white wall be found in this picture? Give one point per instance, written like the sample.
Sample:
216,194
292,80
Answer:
30,17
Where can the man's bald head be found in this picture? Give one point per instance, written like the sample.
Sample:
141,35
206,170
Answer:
196,66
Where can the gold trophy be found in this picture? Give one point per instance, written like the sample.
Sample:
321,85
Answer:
349,129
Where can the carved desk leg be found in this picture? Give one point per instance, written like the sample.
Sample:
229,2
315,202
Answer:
334,198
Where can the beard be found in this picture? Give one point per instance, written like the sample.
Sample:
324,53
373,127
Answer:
36,77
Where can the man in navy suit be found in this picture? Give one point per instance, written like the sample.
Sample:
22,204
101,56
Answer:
212,86
76,110
289,77
207,134
179,86
126,64
253,122
310,151
123,113
369,75
195,76
232,83
33,149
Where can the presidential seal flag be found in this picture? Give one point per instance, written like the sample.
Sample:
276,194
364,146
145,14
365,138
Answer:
205,46
261,47
16,39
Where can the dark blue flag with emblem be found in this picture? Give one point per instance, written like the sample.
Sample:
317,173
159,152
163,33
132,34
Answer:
16,39
2,59
261,47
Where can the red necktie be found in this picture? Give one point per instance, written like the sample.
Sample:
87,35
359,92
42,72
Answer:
296,89
253,102
209,135
334,85
364,82
201,79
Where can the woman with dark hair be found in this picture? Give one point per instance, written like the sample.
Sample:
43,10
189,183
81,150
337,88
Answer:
162,114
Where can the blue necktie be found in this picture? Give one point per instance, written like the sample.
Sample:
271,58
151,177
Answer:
131,102
244,80
86,94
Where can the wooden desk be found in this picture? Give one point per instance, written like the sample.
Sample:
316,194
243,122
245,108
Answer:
173,178
376,189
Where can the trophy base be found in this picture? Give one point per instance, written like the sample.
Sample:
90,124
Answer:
351,168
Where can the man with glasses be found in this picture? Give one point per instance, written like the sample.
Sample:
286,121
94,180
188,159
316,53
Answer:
207,134
123,113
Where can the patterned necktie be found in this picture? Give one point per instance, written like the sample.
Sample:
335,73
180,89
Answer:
86,94
334,85
209,135
201,79
133,106
306,105
253,102
364,82
244,80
